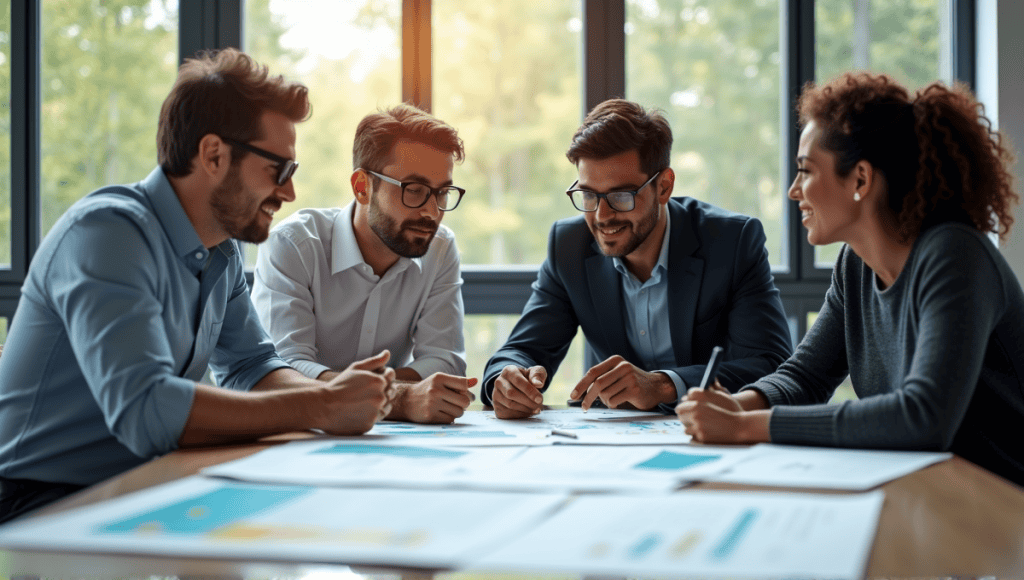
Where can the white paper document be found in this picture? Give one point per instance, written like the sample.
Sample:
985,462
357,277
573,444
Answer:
483,429
564,468
825,467
586,468
700,534
368,462
209,518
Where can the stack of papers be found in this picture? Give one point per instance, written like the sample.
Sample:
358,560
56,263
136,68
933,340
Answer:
495,495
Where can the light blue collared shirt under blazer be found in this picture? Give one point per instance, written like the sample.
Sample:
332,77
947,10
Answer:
647,322
122,311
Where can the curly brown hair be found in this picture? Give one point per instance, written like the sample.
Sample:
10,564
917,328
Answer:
940,157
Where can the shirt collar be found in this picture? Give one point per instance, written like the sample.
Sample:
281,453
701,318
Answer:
345,252
179,229
662,264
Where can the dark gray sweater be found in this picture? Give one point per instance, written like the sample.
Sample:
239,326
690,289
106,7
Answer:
937,359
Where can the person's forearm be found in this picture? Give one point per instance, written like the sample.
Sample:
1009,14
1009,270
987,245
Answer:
285,378
224,416
755,427
751,400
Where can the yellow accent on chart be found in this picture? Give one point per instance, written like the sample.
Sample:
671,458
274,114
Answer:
248,531
684,545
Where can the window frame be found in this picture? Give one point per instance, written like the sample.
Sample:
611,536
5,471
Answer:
488,289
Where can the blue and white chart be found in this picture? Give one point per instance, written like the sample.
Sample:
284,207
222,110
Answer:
200,517
368,462
483,429
701,534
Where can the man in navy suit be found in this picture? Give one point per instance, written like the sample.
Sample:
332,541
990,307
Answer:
654,282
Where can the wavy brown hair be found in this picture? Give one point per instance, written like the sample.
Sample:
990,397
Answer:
940,157
224,93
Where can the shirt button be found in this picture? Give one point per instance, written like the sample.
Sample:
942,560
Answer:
199,255
643,333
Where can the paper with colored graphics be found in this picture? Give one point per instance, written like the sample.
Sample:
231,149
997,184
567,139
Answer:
826,467
367,462
562,468
699,534
200,517
593,468
482,428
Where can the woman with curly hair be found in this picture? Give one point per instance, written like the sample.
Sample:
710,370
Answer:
923,313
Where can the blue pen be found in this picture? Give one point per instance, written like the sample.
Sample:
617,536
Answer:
712,369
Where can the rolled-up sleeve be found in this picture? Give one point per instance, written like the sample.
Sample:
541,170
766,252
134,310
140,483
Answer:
244,354
103,283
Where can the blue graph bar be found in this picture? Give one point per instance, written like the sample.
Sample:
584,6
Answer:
667,460
208,511
732,537
644,546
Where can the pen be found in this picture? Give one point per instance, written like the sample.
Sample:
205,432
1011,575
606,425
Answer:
569,434
712,369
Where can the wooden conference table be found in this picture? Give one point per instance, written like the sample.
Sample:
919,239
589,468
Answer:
950,519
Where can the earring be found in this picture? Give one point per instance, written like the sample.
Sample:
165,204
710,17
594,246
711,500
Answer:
856,196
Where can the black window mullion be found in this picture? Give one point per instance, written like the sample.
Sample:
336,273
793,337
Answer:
25,151
963,41
604,51
206,25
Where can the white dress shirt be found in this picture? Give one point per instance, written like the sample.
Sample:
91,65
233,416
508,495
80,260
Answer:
325,308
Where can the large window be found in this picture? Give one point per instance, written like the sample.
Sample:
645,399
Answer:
348,54
907,39
507,75
83,81
715,69
106,69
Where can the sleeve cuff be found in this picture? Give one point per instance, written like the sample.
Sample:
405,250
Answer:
681,386
309,368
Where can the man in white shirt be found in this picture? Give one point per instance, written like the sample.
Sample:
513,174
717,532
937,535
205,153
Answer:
333,286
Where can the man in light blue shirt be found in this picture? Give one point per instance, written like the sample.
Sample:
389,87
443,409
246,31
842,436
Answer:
654,282
138,288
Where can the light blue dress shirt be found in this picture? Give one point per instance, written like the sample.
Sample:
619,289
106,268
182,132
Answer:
647,322
122,311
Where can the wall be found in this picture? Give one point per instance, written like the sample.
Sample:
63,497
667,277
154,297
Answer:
1000,86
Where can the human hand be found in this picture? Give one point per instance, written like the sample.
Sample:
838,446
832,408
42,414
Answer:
715,415
517,393
439,398
617,382
357,397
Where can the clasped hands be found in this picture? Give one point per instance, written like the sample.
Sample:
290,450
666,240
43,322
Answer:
615,381
368,391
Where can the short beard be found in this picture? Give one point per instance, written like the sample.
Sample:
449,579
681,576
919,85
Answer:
640,232
389,232
241,223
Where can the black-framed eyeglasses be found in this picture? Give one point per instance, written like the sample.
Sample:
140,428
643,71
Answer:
285,167
416,194
586,200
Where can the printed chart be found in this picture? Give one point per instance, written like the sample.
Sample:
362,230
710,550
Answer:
202,517
345,462
701,534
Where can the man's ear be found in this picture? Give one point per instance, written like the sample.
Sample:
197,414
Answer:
214,156
361,186
667,182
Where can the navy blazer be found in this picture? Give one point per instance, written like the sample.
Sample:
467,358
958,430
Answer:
720,288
